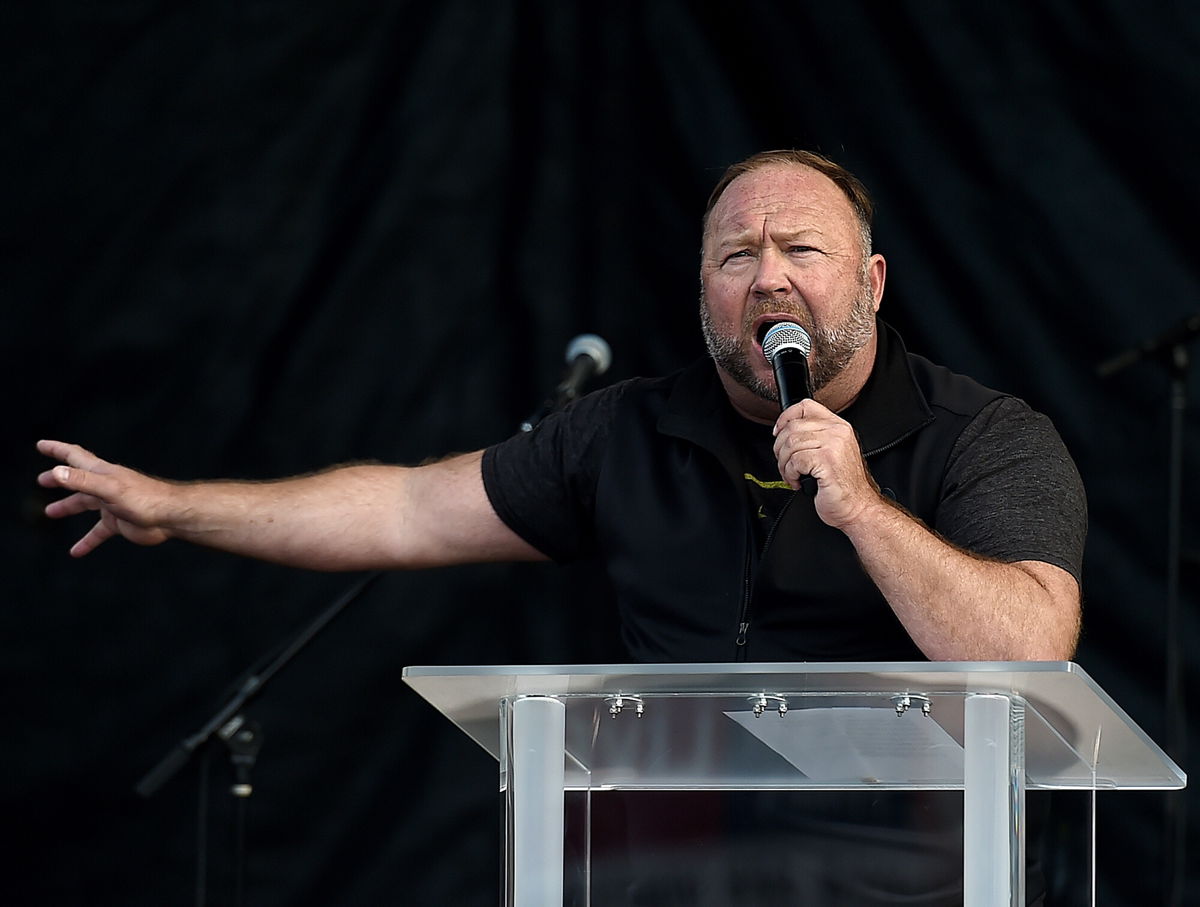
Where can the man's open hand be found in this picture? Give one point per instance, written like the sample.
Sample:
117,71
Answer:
129,503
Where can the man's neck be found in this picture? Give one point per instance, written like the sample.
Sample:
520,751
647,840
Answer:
836,396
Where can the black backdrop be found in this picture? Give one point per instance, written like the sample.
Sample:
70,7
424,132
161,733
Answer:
251,239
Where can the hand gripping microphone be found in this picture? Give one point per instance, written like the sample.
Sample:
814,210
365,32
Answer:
588,355
786,346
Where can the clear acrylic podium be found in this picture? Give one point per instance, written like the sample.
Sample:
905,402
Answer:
991,730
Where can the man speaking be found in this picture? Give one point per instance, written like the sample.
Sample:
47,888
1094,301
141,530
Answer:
899,512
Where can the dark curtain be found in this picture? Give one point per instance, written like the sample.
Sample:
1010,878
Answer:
253,239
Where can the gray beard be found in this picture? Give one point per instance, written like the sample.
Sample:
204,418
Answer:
832,348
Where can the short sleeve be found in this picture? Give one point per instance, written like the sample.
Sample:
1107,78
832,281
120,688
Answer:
542,483
1012,492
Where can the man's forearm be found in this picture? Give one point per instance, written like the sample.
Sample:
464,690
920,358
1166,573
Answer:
342,519
960,607
349,518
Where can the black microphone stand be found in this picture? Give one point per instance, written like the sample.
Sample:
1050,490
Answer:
243,738
1171,348
588,355
566,392
1176,736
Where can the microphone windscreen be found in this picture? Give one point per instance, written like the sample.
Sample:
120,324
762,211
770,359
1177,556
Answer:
786,335
592,345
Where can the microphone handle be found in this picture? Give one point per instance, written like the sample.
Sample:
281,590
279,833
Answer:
791,377
794,384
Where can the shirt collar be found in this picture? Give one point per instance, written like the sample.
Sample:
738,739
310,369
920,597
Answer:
889,408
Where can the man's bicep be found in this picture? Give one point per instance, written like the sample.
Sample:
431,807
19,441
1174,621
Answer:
444,517
1012,492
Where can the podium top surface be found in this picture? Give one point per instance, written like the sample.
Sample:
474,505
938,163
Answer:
842,724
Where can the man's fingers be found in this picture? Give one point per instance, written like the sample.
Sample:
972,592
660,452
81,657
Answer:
800,440
83,480
61,450
79,464
59,477
808,411
123,497
48,479
97,536
71,454
56,449
795,469
72,505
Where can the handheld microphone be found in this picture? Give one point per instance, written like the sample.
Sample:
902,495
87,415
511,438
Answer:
786,346
588,355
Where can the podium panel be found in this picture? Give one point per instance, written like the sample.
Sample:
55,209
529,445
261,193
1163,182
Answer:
988,730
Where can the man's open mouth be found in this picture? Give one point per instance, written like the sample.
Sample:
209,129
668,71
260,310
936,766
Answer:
764,323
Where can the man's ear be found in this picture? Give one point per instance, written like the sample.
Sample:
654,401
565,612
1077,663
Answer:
877,274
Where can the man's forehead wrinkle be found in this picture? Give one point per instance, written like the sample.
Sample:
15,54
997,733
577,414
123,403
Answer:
788,213
764,229
776,206
772,190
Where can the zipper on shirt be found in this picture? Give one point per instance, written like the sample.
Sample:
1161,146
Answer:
747,586
748,574
884,448
743,630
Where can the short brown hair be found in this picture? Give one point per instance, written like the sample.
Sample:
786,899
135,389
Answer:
856,193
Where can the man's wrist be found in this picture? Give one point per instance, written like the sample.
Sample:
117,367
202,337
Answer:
874,515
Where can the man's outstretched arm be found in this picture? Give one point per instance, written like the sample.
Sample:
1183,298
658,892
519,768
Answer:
347,518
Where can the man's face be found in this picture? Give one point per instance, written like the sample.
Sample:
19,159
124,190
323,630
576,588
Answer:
783,244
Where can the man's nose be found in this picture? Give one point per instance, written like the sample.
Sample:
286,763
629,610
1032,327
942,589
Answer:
771,278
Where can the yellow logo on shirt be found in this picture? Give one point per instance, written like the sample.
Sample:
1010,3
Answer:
777,484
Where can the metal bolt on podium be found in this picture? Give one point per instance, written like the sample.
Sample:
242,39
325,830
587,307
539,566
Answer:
905,701
762,700
617,703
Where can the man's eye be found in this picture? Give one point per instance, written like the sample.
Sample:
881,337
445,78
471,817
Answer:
800,249
740,253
